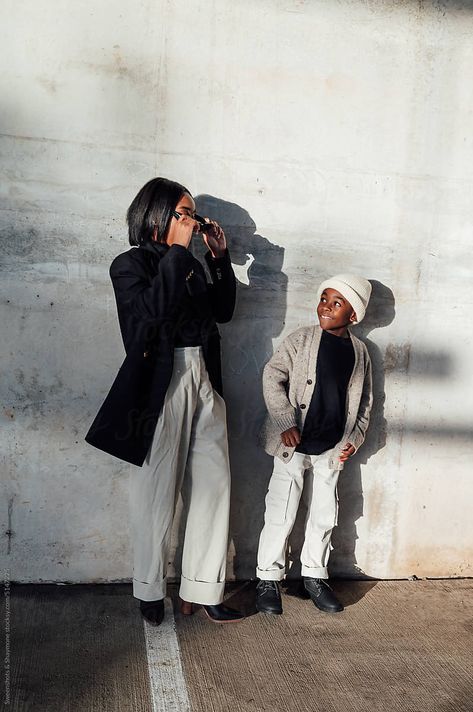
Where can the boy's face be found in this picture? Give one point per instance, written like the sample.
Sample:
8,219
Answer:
335,312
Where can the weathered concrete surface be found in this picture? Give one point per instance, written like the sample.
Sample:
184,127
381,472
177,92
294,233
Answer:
401,646
326,136
398,646
76,649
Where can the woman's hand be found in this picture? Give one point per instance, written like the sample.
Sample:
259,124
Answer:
347,452
291,437
215,239
181,231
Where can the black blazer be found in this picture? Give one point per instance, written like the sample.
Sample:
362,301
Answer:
153,284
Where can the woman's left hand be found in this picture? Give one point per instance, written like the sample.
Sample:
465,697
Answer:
215,239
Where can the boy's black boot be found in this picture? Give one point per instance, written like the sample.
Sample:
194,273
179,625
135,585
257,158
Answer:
152,611
268,597
322,595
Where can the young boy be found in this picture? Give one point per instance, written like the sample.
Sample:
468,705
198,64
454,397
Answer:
317,389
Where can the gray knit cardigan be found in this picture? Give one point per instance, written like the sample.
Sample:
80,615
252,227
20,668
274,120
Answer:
288,385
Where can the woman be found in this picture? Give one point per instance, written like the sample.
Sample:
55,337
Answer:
165,411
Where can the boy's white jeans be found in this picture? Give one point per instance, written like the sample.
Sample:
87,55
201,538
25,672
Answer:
282,502
189,450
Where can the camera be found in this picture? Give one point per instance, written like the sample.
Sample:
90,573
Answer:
204,226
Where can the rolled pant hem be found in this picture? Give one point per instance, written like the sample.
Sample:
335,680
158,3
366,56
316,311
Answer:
270,574
149,591
315,572
207,594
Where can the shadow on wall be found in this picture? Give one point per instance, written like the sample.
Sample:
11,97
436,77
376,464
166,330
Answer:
380,313
247,344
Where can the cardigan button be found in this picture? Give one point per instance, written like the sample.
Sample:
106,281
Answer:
303,405
309,381
285,454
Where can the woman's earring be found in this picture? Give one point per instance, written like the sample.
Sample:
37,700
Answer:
155,233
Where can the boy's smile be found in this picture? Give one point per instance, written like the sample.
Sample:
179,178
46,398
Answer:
335,313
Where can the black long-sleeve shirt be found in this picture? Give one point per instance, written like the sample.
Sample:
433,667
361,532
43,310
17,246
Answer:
325,419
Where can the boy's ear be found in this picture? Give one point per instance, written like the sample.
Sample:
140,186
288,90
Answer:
353,317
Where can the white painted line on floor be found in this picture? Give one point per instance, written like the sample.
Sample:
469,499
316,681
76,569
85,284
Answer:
168,686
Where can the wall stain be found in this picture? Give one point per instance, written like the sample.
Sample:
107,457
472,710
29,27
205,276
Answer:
18,241
49,84
430,562
397,357
9,533
138,74
33,394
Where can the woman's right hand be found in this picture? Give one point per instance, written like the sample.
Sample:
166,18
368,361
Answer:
291,437
180,232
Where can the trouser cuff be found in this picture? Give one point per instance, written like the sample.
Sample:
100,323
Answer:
315,572
270,574
149,591
207,594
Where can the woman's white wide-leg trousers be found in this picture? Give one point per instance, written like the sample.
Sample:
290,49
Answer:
189,450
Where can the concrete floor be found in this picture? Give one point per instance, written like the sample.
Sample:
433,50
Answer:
397,646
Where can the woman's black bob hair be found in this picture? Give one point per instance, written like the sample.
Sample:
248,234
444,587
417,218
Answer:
152,208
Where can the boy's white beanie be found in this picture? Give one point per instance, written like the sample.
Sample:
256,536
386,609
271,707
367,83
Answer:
357,290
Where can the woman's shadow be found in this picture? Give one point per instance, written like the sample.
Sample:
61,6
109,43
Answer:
343,562
247,344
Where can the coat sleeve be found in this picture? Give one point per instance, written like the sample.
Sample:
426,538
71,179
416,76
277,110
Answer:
363,418
276,377
159,299
222,291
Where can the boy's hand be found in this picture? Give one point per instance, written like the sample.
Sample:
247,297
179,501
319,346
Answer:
347,452
291,437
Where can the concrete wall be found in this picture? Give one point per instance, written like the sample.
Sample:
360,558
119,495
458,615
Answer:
326,136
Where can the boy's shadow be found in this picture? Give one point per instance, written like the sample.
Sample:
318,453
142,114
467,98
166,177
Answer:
247,344
343,563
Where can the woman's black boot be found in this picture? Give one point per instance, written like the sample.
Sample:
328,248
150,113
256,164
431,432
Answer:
152,611
223,614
